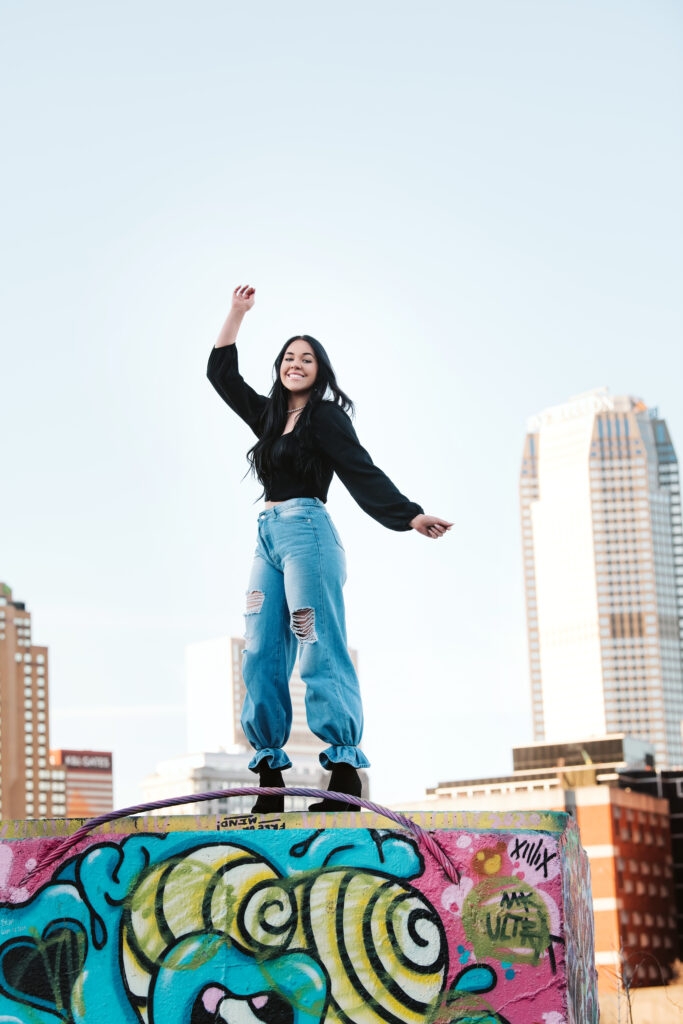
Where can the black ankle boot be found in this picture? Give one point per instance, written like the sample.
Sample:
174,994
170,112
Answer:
344,779
265,804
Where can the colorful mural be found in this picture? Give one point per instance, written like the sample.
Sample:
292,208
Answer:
289,925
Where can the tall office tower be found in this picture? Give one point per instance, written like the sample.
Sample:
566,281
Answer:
29,786
89,782
603,563
215,693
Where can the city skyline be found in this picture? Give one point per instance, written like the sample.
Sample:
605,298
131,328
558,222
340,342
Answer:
37,781
621,426
477,213
603,571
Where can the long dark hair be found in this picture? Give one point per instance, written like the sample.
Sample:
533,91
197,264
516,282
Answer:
274,415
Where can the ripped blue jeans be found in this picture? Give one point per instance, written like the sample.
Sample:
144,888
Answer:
295,602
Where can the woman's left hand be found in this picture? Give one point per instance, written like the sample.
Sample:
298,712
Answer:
430,526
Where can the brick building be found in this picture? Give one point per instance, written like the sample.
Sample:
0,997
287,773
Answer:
89,782
667,784
29,786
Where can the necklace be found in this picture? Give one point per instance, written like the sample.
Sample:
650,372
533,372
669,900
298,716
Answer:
298,409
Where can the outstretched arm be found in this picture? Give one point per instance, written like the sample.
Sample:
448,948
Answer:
368,485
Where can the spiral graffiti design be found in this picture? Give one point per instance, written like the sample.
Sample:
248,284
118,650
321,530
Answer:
267,917
199,891
382,945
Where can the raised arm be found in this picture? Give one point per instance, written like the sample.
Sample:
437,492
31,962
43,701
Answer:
242,301
223,369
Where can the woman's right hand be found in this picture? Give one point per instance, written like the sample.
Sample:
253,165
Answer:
243,298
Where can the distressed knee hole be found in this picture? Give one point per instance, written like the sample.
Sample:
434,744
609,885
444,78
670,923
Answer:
303,625
254,602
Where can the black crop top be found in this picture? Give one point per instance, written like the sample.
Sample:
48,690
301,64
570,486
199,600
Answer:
336,443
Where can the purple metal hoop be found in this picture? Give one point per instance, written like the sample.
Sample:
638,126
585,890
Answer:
424,838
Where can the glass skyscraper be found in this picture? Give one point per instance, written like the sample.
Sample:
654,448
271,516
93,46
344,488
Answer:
603,565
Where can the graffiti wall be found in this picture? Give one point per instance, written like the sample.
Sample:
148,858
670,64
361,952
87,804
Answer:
204,923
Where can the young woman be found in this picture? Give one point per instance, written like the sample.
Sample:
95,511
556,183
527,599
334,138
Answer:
295,596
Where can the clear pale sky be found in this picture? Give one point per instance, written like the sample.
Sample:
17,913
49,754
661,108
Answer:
475,206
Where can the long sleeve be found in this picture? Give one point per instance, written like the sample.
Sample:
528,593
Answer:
223,372
367,484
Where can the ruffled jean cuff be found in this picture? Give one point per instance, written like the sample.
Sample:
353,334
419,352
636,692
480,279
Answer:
275,757
349,755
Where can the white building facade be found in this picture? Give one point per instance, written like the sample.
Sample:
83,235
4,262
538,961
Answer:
603,565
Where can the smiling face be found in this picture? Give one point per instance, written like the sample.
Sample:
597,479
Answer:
299,369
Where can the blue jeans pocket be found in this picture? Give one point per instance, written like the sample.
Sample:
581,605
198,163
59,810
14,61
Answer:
335,534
